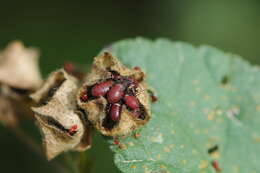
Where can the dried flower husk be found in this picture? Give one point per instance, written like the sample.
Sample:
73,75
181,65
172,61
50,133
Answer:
62,125
103,68
19,75
19,67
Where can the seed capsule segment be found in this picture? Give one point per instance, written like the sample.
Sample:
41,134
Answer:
124,103
131,102
102,88
115,112
115,93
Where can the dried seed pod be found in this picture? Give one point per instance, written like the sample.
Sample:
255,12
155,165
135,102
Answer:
63,126
104,112
19,67
19,76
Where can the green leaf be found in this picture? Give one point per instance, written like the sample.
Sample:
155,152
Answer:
206,97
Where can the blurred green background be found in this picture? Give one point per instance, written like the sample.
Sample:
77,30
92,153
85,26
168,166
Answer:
76,31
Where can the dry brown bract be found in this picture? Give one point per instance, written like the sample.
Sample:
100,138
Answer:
104,67
63,127
19,67
19,75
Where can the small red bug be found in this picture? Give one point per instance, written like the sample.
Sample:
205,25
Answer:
137,135
115,112
116,141
132,102
73,130
154,98
216,165
102,88
73,70
68,67
137,68
115,93
84,96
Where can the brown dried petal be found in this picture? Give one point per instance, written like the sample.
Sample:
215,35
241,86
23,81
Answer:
57,115
19,67
102,69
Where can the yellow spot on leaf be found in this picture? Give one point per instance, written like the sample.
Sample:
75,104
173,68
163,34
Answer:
215,155
224,97
166,149
182,146
211,116
197,131
258,108
235,168
133,166
158,156
194,151
145,166
158,138
195,82
162,166
207,97
256,137
219,112
198,90
173,113
220,120
172,146
208,145
192,103
239,98
184,162
206,110
131,144
206,131
203,164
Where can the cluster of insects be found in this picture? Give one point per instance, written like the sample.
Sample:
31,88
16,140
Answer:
118,90
111,98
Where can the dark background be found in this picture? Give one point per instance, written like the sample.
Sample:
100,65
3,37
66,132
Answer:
77,31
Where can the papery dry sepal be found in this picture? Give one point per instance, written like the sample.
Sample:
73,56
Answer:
61,123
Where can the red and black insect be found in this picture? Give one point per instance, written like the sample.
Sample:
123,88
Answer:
132,102
215,165
116,93
73,130
102,88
